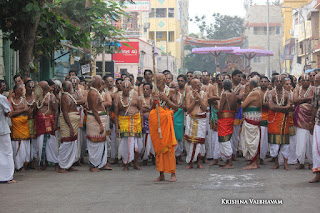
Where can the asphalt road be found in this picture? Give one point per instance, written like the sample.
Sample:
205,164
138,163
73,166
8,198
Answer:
134,191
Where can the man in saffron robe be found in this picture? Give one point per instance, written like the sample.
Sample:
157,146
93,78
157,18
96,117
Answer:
164,147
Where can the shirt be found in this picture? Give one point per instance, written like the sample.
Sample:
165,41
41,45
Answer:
4,108
316,104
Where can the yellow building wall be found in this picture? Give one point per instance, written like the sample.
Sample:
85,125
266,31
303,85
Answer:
167,24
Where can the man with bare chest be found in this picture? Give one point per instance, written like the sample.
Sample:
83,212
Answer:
46,124
69,124
302,98
196,123
251,132
146,107
226,117
128,119
20,136
96,127
278,123
30,100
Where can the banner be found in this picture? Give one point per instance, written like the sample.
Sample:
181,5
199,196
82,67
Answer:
128,54
137,6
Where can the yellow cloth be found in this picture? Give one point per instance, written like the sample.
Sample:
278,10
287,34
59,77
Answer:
64,128
20,128
164,147
130,126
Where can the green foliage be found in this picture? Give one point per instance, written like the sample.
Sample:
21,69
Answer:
40,25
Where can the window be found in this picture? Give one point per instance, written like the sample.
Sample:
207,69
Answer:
171,12
161,12
151,35
152,12
161,36
277,30
171,36
259,30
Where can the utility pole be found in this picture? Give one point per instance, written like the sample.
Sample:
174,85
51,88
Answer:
103,62
268,36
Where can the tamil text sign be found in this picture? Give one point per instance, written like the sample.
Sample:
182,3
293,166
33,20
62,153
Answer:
137,6
128,54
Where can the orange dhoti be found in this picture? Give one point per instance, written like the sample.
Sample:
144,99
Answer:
164,147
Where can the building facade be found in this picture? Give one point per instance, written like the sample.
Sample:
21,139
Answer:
256,36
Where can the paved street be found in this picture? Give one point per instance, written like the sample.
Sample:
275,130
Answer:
134,191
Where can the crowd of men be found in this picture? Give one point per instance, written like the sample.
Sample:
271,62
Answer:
198,119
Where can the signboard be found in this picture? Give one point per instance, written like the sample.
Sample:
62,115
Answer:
287,57
85,68
137,6
128,55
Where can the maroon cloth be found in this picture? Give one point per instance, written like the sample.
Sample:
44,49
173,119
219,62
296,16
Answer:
45,124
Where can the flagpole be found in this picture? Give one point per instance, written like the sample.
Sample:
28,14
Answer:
156,89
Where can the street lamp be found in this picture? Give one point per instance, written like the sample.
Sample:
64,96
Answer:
305,35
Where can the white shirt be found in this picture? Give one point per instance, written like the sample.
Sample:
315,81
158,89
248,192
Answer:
4,108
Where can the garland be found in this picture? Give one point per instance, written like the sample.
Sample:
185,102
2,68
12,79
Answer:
265,95
218,91
129,100
306,93
33,100
144,101
282,98
21,99
166,92
97,92
74,100
235,90
42,101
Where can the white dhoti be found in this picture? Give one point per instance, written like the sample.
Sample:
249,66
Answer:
277,149
179,148
6,159
292,159
67,154
213,145
21,153
114,143
97,153
128,146
315,149
304,145
194,151
148,147
250,140
235,138
225,150
48,149
195,135
34,149
264,142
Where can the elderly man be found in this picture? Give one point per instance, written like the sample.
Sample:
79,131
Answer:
302,98
96,127
169,79
46,124
278,125
164,145
6,153
69,124
316,132
196,122
128,118
20,129
226,117
250,134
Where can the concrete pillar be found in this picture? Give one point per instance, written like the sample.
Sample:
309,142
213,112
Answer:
1,57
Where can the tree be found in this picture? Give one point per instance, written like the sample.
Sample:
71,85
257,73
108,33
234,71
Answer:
220,28
36,27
